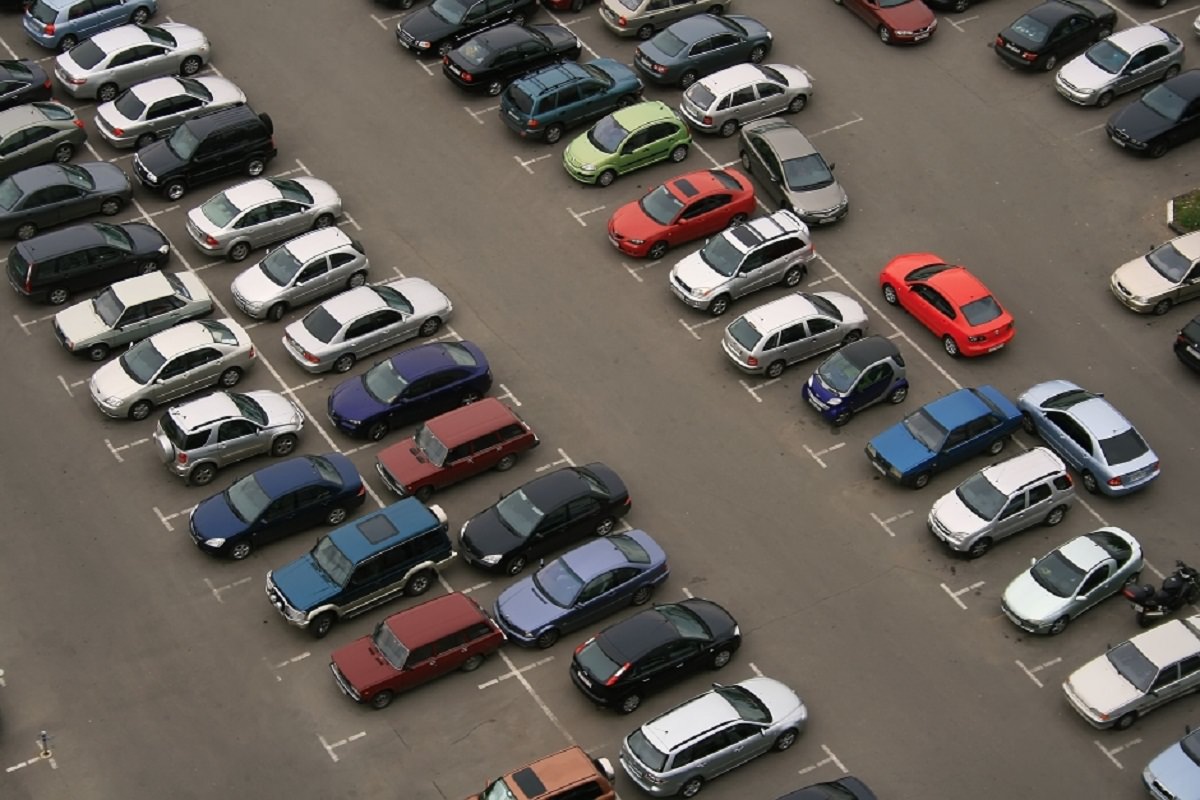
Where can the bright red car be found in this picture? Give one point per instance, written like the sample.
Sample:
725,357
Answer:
895,21
948,300
689,207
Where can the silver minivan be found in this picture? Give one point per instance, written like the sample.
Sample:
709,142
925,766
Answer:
1033,488
765,340
311,266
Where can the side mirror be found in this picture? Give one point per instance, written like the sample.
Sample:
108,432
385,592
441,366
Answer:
1032,561
1080,598
832,166
541,563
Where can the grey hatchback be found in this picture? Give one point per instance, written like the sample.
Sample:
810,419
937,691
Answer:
38,133
304,269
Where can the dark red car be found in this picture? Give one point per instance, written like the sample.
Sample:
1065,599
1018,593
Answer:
689,207
895,21
949,301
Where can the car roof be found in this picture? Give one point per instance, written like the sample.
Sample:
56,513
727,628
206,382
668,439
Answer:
957,408
285,476
633,637
869,350
554,772
751,234
463,424
354,303
22,116
703,182
556,487
1084,553
431,620
1188,245
692,29
958,284
551,78
156,89
1133,39
1009,476
735,77
417,362
39,177
188,335
120,38
504,36
1171,641
142,288
314,243
1100,417
684,722
640,114
203,410
783,137
375,532
253,193
786,309
595,557
63,240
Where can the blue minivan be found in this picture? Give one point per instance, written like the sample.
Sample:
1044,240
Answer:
62,24
856,376
545,103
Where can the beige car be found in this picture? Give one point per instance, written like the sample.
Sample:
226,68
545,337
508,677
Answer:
1168,274
643,18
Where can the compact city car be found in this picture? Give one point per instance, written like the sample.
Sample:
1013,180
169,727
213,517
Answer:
627,139
724,101
100,67
895,21
642,18
766,340
856,376
62,24
544,104
1164,117
488,61
439,27
1052,31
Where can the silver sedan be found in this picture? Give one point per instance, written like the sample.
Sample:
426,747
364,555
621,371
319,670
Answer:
152,109
112,60
260,212
364,320
1120,63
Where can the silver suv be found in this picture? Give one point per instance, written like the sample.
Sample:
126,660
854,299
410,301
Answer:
197,438
765,340
743,259
1006,498
676,753
726,100
307,268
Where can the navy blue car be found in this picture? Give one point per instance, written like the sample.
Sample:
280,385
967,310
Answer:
943,433
412,386
276,501
855,377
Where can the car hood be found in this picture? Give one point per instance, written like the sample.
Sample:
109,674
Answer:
953,515
1139,122
303,584
908,16
363,665
900,449
1083,74
425,26
1141,279
1175,771
351,400
147,239
781,701
111,380
406,463
109,178
526,608
581,151
697,274
754,29
158,158
631,222
214,519
487,535
279,410
323,195
1026,599
560,38
255,286
822,199
79,323
1099,685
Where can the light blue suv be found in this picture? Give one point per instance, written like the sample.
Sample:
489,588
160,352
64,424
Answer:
62,24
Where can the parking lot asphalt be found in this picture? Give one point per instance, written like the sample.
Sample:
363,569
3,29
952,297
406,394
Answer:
156,670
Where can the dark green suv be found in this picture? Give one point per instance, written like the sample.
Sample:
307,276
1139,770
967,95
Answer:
545,103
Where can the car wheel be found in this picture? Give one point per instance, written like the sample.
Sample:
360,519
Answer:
605,526
230,377
276,312
841,418
626,101
505,463
577,6
140,410
238,252
1027,425
758,54
322,624
64,152
606,178
424,493
554,133
950,346
469,397
716,11
719,305
1050,63
472,663
202,474
444,49
1104,33
343,363
1158,150
793,276
283,445
430,327
382,700
98,352
58,295
140,16
66,43
995,447
144,140
921,481
518,19
797,105
775,369
240,550
979,547
1162,307
889,295
112,206
323,221
255,166
729,128
1090,483
721,658
419,584
961,5
1055,516
1059,626
356,280
745,159
190,66
898,395
1104,99
692,787
885,35
629,704
852,336
645,32
494,88
687,79
547,639
26,230
336,516
515,565
1171,72
786,739
174,190
657,250
641,595
679,153
378,430
146,267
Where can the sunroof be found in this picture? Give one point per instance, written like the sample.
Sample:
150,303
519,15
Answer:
377,529
687,187
529,783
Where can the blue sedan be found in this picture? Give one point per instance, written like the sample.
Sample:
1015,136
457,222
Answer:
276,501
581,587
943,433
1090,435
412,386
1175,772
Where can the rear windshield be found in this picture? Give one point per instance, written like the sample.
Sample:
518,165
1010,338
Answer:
54,111
633,552
982,311
475,51
597,662
459,354
647,753
43,13
16,69
326,470
174,433
669,43
700,95
86,54
321,324
1124,447
129,106
1192,330
1030,29
744,333
520,99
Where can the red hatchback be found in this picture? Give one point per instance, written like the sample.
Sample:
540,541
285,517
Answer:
689,207
948,300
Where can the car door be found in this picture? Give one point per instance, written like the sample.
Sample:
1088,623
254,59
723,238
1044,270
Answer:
1103,581
1013,517
203,368
653,671
285,219
635,150
740,743
551,533
583,513
751,274
238,439
765,165
311,281
870,386
866,10
929,307
597,599
499,12
530,56
1189,124
134,323
164,385
105,14
710,54
312,506
208,162
1145,67
14,155
157,116
1068,439
253,224
956,448
434,394
1073,35
162,313
743,105
393,327
1189,287
277,520
771,98
699,219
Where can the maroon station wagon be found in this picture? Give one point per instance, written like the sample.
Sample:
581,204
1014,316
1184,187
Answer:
415,646
454,446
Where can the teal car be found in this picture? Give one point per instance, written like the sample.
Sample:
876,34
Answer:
627,139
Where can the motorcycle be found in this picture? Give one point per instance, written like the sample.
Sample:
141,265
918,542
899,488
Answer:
1180,588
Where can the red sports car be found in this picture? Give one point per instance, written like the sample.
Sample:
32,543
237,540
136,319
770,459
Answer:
896,21
689,207
948,300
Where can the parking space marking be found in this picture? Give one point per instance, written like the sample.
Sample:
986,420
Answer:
958,23
525,164
537,698
857,118
2,683
1125,14
579,215
692,328
9,50
758,673
151,215
582,43
303,168
351,220
286,172
42,742
1112,754
955,595
117,449
359,448
476,114
753,390
819,281
1086,131
447,334
428,70
508,395
817,454
886,523
165,519
830,758
1031,670
209,264
1178,13
634,271
514,674
293,389
1153,569
565,460
25,325
383,24
68,386
276,667
329,748
217,591
688,593
474,588
92,150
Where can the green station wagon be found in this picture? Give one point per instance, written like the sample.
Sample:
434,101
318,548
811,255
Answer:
627,139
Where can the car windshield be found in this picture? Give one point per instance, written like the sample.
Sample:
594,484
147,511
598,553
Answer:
321,324
46,14
292,190
433,447
129,106
598,74
982,311
107,307
86,54
1133,665
1107,56
838,373
10,194
54,111
981,496
183,142
497,790
722,256
607,135
1162,100
389,645
394,299
925,430
1029,28
892,3
825,306
383,383
558,583
219,333
247,499
451,11
1190,745
142,361
661,206
668,42
1192,330
1124,447
332,561
519,514
1057,574
249,408
648,754
280,266
475,51
219,210
685,622
1166,260
159,36
807,173
744,333
748,707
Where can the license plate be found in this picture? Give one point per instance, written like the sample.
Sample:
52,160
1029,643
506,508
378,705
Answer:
826,221
921,36
454,69
994,348
1192,349
586,680
1012,48
812,401
879,467
1118,141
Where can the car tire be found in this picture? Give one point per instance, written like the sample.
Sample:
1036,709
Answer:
921,481
424,493
238,252
626,101
786,740
606,178
1161,307
842,417
606,526
444,49
744,157
139,16
577,6
720,658
97,352
737,219
255,166
230,377
1058,626
717,11
645,32
190,66
495,87
419,584
885,35
323,221
889,295
641,596
1027,424
276,312
679,153
64,152
793,276
58,295
729,127
629,704
950,346
518,19
430,327
241,550
26,230
1104,99
505,463
687,79
719,305
66,43
798,103
758,54
775,369
202,474
547,639
146,267
112,206
343,363
382,699
979,547
378,430
852,336
1050,63
472,663
140,410
1090,483
1158,150
322,624
692,787
336,516
554,133
898,395
657,250
284,445
514,565
997,446
1171,72
175,189
961,5
1055,516
106,93
356,280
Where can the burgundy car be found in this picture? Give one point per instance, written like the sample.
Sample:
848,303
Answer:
896,21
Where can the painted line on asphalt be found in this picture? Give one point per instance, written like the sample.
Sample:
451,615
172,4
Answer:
151,214
165,519
1031,670
1173,14
632,270
687,593
116,450
25,325
955,595
1086,131
958,23
1125,14
44,754
857,118
217,591
329,748
830,758
886,523
476,114
579,215
564,461
753,390
382,22
818,453
517,672
1112,754
11,54
294,659
474,588
352,221
525,163
692,328
754,668
508,395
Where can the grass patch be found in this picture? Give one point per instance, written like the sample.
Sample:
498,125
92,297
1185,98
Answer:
1186,211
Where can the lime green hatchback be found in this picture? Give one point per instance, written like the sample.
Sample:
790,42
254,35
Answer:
627,139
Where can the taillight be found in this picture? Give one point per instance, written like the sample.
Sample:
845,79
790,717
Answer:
78,122
752,361
1070,480
976,339
617,675
29,279
182,458
1128,592
622,22
660,69
628,500
310,358
999,41
1114,481
445,59
50,29
466,76
48,84
1029,56
362,490
708,120
77,81
118,132
252,353
585,644
210,241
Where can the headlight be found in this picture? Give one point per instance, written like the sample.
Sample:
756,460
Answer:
110,402
698,292
214,542
871,450
150,176
424,45
834,401
164,249
68,343
637,241
491,560
587,167
1137,298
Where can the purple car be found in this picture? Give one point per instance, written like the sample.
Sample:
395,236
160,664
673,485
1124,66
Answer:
412,386
580,587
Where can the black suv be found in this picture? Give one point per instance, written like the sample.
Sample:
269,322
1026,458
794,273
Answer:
233,141
1053,31
439,27
50,267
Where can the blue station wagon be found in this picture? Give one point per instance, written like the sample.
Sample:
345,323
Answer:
545,103
62,24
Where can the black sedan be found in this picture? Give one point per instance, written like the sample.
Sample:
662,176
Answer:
438,28
39,197
22,82
1187,344
488,61
847,788
1166,116
700,45
544,515
647,652
1055,30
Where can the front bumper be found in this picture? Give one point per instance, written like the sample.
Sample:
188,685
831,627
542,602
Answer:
1084,711
389,481
1189,354
1075,94
1138,304
1023,624
700,303
344,684
289,612
823,217
118,411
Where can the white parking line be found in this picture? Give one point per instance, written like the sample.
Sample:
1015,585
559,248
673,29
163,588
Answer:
857,118
165,519
217,591
753,390
758,673
819,281
428,69
1178,13
955,595
635,271
1030,671
582,43
9,50
564,461
25,325
359,448
2,683
830,758
151,215
352,221
1125,14
276,667
525,164
293,389
474,588
692,328
517,672
579,215
116,450
476,114
382,22
817,455
92,150
329,748
303,168
886,523
44,754
508,395
958,23
688,593
68,386
1086,131
1113,752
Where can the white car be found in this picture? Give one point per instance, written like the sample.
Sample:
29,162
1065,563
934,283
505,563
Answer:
100,67
153,109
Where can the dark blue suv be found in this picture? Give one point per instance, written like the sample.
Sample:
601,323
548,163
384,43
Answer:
545,103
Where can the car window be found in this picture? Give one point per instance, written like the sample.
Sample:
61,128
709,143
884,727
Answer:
736,734
1167,675
598,586
338,259
768,90
820,325
742,96
1040,493
253,217
1014,506
582,507
1097,577
1071,429
80,10
661,130
281,507
205,355
789,335
419,655
978,427
174,368
587,791
1189,666
235,429
313,270
363,326
956,437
